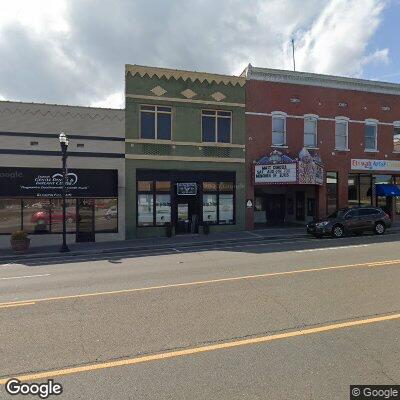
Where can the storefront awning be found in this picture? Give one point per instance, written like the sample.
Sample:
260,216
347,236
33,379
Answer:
387,190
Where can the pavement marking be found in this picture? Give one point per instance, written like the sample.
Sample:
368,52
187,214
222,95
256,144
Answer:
210,281
197,350
18,304
334,248
24,276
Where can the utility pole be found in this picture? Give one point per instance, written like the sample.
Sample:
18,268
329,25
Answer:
294,60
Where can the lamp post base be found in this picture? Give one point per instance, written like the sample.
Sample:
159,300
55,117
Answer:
64,249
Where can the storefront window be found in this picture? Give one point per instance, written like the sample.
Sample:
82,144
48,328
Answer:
10,215
56,215
163,186
226,186
36,215
365,190
210,208
145,186
106,215
353,190
163,209
226,208
210,186
145,209
331,192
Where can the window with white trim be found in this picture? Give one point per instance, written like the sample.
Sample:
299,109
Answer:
279,130
155,122
341,134
310,132
370,136
216,126
396,137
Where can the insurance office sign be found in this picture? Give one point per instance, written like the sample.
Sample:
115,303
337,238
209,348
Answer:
275,173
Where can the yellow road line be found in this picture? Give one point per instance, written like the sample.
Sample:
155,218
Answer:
196,350
30,303
211,281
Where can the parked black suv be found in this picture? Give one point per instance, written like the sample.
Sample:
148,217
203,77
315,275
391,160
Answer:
351,220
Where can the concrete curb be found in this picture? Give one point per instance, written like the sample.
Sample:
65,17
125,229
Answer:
74,253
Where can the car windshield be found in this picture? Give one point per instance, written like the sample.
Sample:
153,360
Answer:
337,214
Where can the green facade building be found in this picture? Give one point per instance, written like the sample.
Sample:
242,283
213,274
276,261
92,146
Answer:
185,152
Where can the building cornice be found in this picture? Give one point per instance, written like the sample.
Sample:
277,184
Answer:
185,75
330,81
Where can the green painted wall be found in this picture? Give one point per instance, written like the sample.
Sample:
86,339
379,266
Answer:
186,127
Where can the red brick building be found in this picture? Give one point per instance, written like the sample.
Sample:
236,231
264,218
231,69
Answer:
344,132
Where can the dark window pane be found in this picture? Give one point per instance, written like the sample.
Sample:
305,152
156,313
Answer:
147,125
331,192
208,112
224,130
366,211
353,193
10,215
208,129
224,113
148,108
365,190
164,126
164,109
106,215
396,139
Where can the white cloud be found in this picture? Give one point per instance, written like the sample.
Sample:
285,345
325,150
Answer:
337,40
114,100
74,51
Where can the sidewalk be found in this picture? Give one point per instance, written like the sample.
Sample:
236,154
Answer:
158,242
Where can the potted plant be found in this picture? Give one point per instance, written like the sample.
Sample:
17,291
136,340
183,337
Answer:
20,242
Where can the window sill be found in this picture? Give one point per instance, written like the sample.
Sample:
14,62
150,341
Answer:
342,149
277,146
371,151
311,148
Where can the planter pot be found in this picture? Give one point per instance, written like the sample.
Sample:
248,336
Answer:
20,246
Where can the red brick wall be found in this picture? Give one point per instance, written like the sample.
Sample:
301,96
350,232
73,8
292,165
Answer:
266,97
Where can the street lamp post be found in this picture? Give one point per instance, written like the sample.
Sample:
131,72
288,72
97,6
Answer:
64,147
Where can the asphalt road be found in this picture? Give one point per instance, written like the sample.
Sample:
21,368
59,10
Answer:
262,319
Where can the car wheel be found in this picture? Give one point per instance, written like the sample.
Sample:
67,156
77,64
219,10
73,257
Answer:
379,228
338,231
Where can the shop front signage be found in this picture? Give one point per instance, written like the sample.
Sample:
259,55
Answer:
186,189
375,165
47,182
275,173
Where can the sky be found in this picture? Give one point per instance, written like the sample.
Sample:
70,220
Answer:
74,51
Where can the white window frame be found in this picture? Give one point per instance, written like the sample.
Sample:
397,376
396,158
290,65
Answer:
280,115
155,112
396,125
311,117
342,120
216,116
371,122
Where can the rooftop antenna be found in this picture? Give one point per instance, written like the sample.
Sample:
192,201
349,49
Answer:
294,60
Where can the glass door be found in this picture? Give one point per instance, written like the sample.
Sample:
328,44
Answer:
85,220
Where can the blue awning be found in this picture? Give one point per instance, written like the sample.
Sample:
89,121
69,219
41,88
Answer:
387,190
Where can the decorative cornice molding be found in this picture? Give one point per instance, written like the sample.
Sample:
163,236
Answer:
185,75
330,81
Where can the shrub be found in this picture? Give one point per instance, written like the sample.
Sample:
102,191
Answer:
19,235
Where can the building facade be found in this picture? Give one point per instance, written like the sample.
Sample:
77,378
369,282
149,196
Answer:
185,152
30,166
315,143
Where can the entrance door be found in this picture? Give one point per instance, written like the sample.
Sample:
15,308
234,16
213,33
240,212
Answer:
85,220
275,208
300,206
186,215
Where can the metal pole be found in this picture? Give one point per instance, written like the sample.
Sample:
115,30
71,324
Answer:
294,60
64,247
